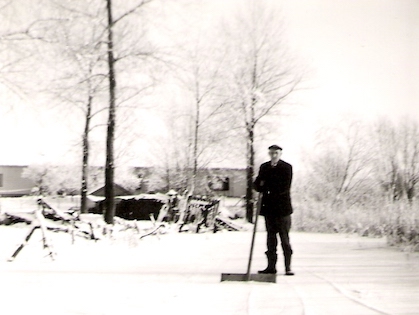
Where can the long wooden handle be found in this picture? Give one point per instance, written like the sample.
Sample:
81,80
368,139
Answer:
249,265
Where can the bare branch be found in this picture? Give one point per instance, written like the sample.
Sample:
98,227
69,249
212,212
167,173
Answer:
265,111
131,11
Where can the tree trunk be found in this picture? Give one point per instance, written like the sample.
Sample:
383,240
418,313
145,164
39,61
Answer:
249,173
168,176
85,161
195,145
250,128
109,168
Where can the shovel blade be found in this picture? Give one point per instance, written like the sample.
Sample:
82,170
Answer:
271,278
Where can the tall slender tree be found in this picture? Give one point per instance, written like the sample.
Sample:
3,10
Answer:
90,43
110,135
263,76
201,80
79,78
111,125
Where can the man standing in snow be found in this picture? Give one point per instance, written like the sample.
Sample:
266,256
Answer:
274,182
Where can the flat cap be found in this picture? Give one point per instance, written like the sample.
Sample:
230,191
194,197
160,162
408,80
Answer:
275,147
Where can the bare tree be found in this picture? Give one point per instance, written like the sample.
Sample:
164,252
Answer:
262,77
357,163
342,168
40,175
52,179
201,80
79,79
172,151
95,54
409,156
397,163
110,135
18,56
195,125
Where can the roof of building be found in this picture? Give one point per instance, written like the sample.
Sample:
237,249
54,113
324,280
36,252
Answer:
119,191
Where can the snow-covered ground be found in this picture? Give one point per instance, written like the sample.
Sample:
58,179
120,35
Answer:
180,274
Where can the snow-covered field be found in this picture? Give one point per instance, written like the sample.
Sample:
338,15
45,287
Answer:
180,274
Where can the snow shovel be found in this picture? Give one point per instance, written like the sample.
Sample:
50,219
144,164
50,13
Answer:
249,276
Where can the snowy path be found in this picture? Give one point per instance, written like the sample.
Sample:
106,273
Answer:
180,274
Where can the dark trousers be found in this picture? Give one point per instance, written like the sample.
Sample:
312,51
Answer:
281,226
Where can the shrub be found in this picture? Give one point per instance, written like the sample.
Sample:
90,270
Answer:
398,221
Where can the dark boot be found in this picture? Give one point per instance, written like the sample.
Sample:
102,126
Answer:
271,269
287,260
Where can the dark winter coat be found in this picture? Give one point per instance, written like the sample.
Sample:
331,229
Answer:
275,184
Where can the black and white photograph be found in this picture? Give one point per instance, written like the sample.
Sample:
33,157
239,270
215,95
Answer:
255,157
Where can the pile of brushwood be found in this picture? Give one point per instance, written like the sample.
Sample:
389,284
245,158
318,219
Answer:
90,226
200,215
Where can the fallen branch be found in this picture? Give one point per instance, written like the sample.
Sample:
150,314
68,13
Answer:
153,231
25,242
17,218
222,223
54,214
46,242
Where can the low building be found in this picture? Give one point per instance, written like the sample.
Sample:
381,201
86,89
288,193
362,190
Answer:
230,182
12,184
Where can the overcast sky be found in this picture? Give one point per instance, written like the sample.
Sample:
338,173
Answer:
363,57
360,58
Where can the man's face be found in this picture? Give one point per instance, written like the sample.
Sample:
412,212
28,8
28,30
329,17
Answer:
275,155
